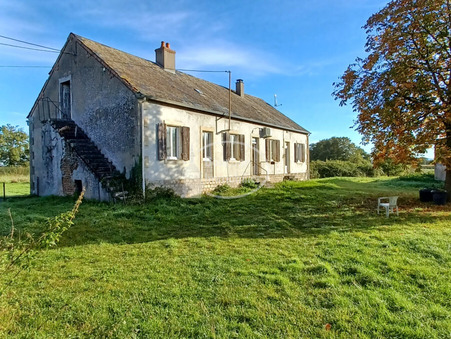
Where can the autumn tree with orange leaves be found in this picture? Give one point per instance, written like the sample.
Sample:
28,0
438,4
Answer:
402,89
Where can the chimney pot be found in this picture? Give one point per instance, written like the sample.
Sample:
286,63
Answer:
162,44
240,87
167,45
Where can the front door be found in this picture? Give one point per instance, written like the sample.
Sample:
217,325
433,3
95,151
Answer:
287,157
207,155
255,157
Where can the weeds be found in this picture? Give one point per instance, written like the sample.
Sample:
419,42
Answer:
18,252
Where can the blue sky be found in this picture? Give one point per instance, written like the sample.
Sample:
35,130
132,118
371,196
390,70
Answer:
295,49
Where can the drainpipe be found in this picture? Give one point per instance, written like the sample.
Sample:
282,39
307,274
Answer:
307,151
141,119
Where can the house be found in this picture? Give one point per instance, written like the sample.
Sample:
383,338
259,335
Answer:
105,118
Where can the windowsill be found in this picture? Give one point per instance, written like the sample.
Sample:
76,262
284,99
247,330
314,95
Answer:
172,159
233,161
207,159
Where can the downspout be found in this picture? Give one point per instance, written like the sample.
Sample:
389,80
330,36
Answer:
308,157
143,172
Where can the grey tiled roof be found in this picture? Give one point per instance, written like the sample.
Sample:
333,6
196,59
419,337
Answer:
153,82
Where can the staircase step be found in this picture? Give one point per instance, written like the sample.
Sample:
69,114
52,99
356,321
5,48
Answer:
86,150
102,168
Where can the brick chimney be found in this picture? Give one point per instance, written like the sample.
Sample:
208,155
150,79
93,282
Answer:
165,57
240,87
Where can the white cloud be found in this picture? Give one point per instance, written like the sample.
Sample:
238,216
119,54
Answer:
193,34
222,56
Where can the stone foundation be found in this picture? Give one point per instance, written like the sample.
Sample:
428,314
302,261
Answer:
196,187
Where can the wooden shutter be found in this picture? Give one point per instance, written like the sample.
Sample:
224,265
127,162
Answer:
268,150
242,148
302,147
185,143
296,158
227,149
277,145
161,141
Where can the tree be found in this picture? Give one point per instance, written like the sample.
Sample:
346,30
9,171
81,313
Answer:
402,89
337,149
13,146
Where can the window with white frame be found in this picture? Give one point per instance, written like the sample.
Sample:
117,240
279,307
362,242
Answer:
172,142
207,146
234,147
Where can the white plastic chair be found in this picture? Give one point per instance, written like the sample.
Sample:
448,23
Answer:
391,205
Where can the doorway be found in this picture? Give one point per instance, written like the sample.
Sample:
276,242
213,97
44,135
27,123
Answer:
207,155
255,157
287,157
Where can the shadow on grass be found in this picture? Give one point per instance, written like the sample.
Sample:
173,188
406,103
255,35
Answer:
289,210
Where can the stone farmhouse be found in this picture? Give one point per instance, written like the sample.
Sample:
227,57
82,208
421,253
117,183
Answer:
105,117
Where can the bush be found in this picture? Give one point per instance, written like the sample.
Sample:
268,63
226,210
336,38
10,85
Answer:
160,193
339,168
249,183
221,189
390,168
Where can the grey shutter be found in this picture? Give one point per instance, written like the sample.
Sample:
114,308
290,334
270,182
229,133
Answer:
227,149
296,158
185,143
242,148
267,150
161,141
277,144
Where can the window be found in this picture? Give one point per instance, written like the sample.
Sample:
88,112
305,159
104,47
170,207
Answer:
173,142
65,100
299,152
207,146
233,147
272,150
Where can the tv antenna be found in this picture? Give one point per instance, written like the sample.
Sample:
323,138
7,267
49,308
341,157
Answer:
275,101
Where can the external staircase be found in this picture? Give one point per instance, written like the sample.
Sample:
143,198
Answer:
102,168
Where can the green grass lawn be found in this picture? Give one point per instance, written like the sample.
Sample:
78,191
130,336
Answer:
301,260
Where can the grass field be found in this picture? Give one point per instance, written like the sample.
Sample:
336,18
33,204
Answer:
301,260
16,181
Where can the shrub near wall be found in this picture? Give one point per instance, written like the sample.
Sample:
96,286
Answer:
339,168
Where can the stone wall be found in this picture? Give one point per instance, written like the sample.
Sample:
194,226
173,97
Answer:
196,187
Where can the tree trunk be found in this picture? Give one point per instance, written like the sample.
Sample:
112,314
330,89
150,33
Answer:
448,183
448,161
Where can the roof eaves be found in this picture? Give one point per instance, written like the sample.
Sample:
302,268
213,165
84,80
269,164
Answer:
221,114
